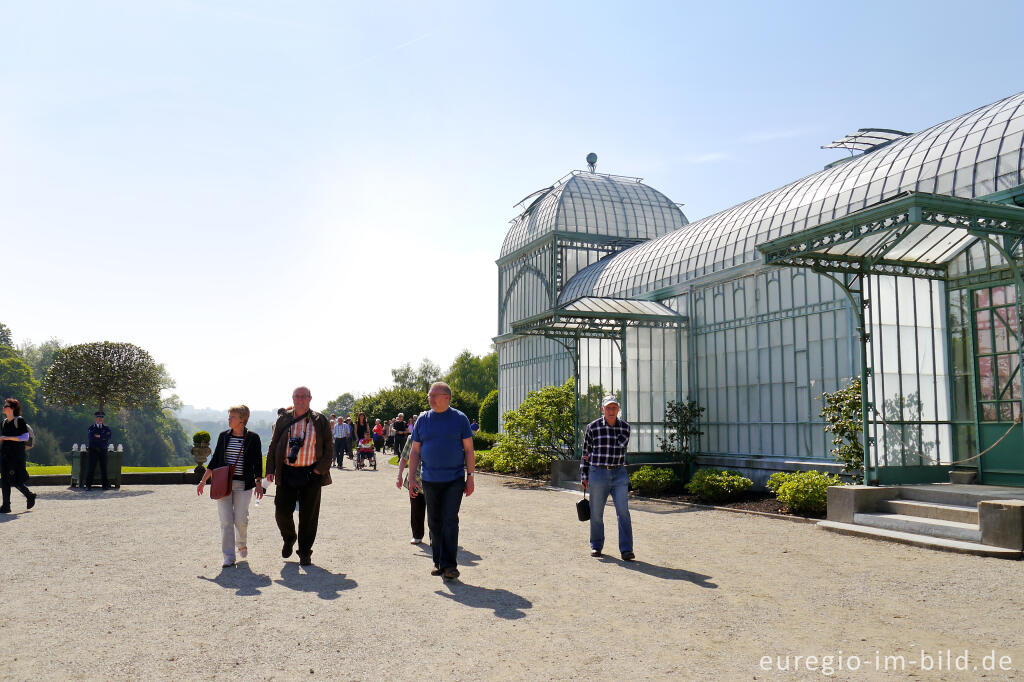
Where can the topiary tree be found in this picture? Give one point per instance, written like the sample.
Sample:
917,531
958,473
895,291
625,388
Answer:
105,375
489,413
842,414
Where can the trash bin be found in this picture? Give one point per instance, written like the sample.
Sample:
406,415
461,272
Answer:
80,467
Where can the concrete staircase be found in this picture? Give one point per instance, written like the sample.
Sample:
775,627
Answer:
947,517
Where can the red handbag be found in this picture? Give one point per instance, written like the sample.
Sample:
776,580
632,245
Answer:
220,485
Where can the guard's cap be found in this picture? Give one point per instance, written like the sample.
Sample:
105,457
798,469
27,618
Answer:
98,413
608,400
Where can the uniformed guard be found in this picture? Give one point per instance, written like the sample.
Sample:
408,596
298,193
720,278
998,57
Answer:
99,438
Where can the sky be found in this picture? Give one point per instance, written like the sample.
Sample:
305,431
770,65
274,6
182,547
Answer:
264,194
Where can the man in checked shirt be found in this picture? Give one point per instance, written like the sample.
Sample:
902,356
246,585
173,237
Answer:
603,471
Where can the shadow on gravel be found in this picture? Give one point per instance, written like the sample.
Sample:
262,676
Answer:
327,585
93,495
4,518
661,508
466,558
241,579
663,572
505,604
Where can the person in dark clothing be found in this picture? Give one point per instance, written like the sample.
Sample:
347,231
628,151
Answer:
299,462
14,434
401,430
99,439
362,426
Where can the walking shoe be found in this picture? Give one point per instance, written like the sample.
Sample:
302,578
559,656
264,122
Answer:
5,510
450,573
228,563
31,501
628,556
436,571
305,560
595,552
415,541
243,552
286,550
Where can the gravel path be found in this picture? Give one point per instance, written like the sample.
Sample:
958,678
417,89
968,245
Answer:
128,585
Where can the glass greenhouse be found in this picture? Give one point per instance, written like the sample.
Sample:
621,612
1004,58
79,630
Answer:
899,265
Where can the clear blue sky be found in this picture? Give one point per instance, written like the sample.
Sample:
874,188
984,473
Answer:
265,194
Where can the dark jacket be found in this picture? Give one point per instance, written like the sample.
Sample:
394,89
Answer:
278,449
12,454
252,456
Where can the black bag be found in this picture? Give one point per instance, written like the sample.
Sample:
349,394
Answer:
583,508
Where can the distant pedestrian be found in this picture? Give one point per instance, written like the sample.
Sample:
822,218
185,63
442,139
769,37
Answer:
362,426
339,431
14,434
443,441
378,435
603,471
299,462
401,432
240,448
474,427
99,441
417,503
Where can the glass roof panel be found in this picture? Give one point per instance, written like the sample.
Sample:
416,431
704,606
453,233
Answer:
688,254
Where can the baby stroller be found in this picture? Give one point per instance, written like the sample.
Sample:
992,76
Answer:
365,456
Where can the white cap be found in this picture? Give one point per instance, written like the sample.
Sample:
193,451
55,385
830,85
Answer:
608,400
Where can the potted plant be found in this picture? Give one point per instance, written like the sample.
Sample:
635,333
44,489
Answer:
200,449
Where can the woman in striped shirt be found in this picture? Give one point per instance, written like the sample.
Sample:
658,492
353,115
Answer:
240,448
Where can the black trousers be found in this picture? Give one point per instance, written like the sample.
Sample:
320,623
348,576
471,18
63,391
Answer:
6,485
308,498
101,455
417,513
443,503
339,451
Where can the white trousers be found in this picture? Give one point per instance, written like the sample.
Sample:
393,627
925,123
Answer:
234,519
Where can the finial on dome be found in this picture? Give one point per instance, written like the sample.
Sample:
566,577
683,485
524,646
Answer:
592,162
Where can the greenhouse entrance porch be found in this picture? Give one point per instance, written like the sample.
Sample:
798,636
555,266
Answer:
984,520
935,285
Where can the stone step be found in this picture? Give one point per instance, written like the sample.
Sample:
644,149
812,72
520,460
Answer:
930,510
918,540
953,530
960,495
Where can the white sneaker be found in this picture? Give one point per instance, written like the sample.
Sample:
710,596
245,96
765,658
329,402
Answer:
415,541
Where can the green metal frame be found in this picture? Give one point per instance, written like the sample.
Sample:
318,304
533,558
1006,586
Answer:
888,224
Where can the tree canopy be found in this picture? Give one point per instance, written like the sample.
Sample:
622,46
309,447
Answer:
474,374
16,380
106,375
342,405
419,378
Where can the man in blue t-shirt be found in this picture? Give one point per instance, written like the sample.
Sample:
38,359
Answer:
443,440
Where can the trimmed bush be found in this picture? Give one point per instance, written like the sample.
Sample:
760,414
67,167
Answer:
777,479
484,441
484,461
201,438
514,456
716,486
651,481
806,492
489,412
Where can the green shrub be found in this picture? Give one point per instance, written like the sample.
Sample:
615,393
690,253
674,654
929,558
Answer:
716,486
484,460
777,479
484,441
514,456
201,438
489,412
806,492
650,481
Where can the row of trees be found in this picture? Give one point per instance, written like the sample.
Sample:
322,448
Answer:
61,386
473,378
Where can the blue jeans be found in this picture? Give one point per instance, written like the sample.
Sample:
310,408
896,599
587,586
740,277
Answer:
443,503
603,482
